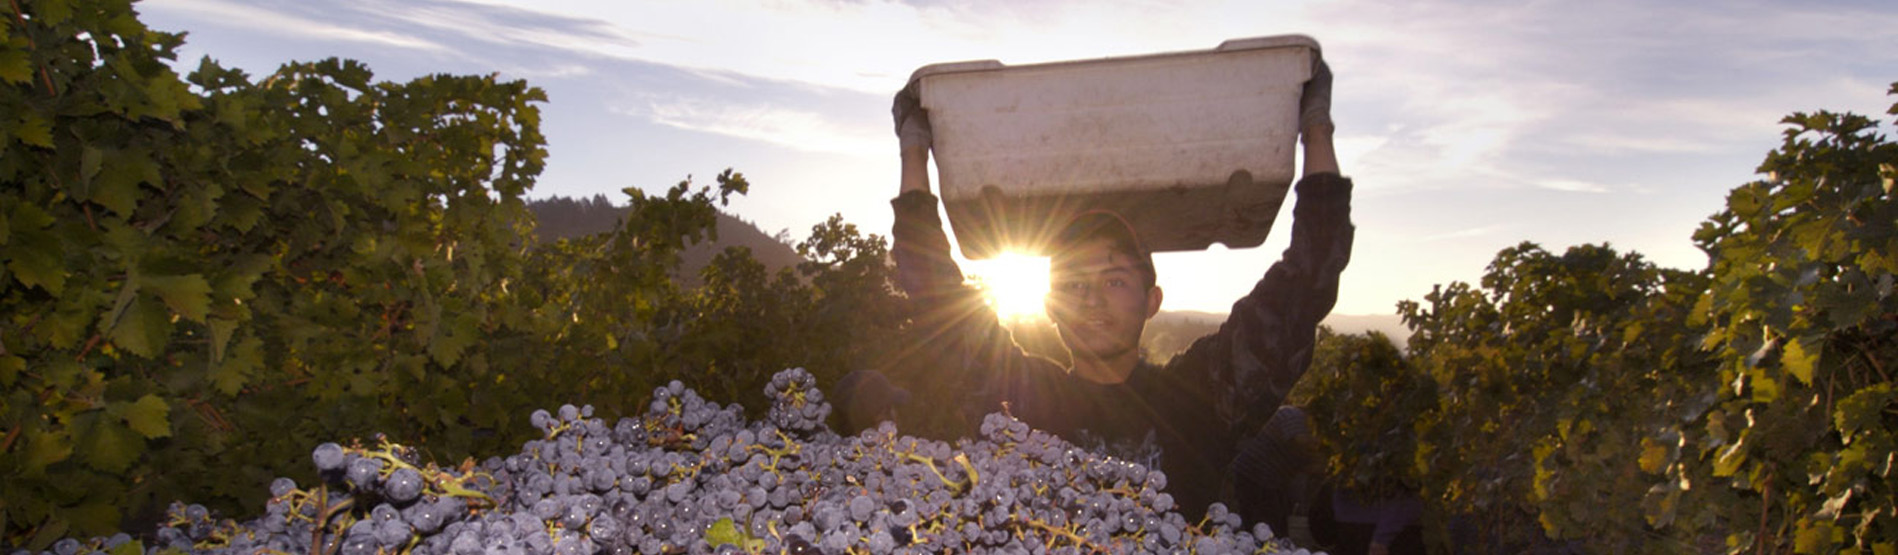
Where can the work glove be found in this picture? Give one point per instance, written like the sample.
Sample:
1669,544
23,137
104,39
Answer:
912,121
1314,104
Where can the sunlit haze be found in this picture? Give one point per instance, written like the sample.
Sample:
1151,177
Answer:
1467,126
1015,283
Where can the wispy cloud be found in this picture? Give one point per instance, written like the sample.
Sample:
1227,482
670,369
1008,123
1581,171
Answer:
796,129
278,21
1459,234
1571,186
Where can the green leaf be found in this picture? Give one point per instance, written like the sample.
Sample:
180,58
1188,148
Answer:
1798,362
90,160
1766,389
221,330
128,292
52,532
44,449
134,547
34,130
188,295
725,532
150,416
230,375
117,187
36,256
10,368
15,68
1660,504
1730,459
104,443
143,329
53,12
234,281
450,340
1863,410
241,211
1653,456
1812,537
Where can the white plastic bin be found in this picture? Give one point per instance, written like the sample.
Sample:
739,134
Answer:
1192,148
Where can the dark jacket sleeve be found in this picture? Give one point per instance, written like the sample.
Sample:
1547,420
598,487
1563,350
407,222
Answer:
924,268
1266,343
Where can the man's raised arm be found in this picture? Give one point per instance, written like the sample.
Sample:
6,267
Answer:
1266,344
921,249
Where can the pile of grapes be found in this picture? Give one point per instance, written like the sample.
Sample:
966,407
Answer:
690,476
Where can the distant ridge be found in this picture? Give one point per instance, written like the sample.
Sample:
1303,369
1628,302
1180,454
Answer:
568,218
1170,332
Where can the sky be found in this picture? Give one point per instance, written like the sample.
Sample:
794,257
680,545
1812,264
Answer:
1467,126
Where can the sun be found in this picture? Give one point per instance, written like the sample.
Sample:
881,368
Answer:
1015,283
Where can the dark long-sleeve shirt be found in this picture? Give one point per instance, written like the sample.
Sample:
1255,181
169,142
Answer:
1185,418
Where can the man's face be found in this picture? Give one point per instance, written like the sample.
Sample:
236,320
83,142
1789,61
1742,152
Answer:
1099,300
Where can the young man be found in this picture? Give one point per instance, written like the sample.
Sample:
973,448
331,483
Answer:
1186,418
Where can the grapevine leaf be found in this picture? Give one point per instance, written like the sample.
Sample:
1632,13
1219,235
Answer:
90,160
1863,410
1812,537
149,416
241,212
93,514
104,443
452,339
10,368
117,187
221,330
1766,388
52,532
1653,455
188,295
53,12
725,532
143,329
1798,362
44,449
34,130
36,259
133,547
236,280
1660,504
230,375
128,292
1730,459
15,68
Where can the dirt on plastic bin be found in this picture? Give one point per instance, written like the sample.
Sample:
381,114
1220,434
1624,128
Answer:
1192,148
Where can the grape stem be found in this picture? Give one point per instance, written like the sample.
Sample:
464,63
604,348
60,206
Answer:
929,463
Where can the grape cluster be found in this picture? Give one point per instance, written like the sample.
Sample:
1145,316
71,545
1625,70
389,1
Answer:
690,476
796,403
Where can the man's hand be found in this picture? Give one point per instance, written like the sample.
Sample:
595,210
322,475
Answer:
914,137
912,122
1314,104
1314,120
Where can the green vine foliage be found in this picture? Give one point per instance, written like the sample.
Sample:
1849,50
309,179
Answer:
1546,377
1802,315
1363,385
1591,400
203,277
